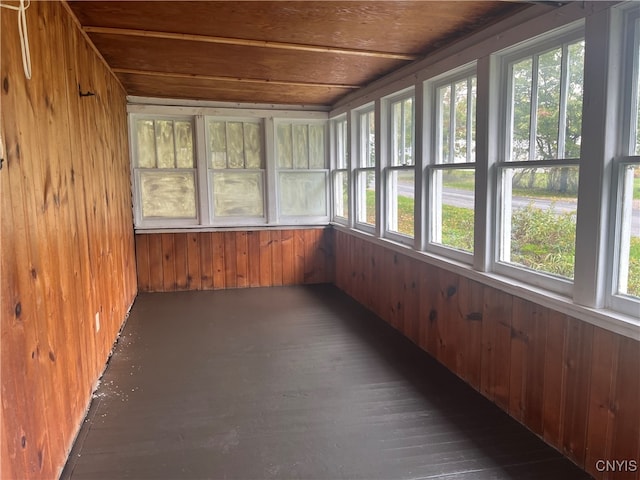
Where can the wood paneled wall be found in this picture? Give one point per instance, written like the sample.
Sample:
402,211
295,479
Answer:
67,236
574,384
236,259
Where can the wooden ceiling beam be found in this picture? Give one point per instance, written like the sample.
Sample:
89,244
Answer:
248,42
232,79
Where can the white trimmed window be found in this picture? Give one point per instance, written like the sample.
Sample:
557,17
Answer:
625,285
400,171
506,130
453,164
228,168
235,163
538,176
341,170
302,171
365,171
164,170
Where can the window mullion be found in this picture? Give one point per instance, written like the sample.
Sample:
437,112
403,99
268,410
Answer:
175,144
271,175
244,146
352,163
155,144
602,66
204,189
533,129
564,88
488,98
381,157
423,136
470,115
452,122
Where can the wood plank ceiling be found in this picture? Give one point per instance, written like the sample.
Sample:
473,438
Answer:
286,52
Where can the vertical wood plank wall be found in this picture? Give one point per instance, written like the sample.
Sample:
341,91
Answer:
67,249
236,259
574,384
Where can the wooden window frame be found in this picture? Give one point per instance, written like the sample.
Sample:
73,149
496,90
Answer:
199,115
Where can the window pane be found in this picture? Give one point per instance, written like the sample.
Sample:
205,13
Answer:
397,142
237,193
402,132
455,122
555,127
341,194
235,145
573,130
635,80
629,258
443,125
453,221
316,147
164,144
253,145
401,208
408,131
184,145
145,135
341,144
548,102
460,132
168,194
367,140
637,106
300,146
285,146
472,117
218,144
366,199
521,109
303,193
539,219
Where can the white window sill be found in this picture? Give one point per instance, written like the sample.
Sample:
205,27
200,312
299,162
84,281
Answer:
230,228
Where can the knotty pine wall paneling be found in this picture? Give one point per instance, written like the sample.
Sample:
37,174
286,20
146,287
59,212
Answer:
169,262
574,384
67,236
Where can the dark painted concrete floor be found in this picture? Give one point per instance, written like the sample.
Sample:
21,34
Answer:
290,383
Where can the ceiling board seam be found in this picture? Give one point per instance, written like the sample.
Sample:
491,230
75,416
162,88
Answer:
232,79
248,42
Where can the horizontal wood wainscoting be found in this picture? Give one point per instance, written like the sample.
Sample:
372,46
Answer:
574,384
170,262
67,261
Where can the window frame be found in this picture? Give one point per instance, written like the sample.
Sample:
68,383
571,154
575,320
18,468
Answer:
629,34
585,296
340,165
536,46
388,169
220,220
360,171
303,219
199,116
136,175
433,165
